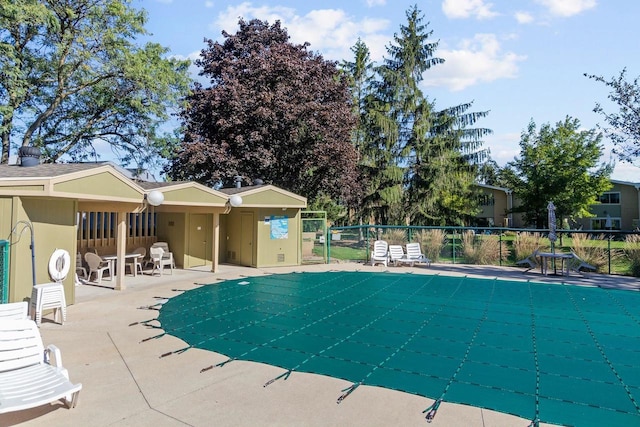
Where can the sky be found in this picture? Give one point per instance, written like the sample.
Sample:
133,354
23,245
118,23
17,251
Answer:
520,60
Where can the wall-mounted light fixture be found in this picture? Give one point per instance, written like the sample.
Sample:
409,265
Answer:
235,201
155,198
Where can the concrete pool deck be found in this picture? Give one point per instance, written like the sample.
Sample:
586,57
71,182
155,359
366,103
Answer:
127,383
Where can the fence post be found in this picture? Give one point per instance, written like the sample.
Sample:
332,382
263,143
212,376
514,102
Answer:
609,251
453,245
327,241
500,247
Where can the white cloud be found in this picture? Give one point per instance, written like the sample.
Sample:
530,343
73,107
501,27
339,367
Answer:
626,172
523,17
209,4
330,31
477,60
372,3
567,7
504,147
457,9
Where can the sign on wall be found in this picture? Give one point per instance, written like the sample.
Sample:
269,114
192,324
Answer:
279,227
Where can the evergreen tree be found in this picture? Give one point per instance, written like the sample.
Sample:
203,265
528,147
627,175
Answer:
419,162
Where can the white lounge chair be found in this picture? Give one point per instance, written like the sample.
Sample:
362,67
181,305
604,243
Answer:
14,311
531,261
380,254
27,377
396,254
415,255
575,263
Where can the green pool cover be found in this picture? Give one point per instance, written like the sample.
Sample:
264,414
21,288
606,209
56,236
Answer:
547,352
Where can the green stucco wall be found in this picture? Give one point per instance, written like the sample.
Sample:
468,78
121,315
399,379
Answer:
53,223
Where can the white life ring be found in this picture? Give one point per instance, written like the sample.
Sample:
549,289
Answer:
59,265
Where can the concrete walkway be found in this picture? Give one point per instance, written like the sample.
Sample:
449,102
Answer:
127,383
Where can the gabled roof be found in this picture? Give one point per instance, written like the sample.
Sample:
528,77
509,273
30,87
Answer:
632,184
493,187
98,183
83,181
267,196
187,193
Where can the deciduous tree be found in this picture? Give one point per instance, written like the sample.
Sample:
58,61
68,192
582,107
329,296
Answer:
624,130
559,164
273,110
73,74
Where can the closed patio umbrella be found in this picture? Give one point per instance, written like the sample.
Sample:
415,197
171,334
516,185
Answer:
552,225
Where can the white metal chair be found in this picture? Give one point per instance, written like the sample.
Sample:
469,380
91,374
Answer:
97,265
415,255
159,260
14,310
380,254
27,376
136,263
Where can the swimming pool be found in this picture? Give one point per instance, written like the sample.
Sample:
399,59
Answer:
546,352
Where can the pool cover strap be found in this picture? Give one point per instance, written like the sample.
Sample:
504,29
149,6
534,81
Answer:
347,391
285,375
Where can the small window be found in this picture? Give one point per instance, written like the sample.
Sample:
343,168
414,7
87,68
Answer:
601,224
610,198
486,200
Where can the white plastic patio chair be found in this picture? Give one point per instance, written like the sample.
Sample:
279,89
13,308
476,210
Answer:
415,255
380,254
80,267
136,263
97,265
159,260
167,253
27,376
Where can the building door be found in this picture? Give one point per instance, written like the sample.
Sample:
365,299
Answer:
198,240
246,239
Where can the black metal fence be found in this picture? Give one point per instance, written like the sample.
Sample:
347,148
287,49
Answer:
611,252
